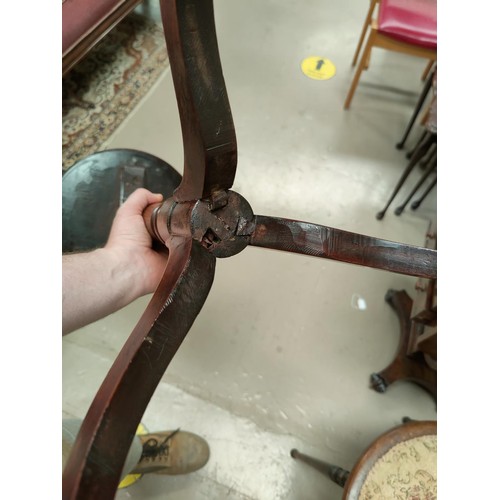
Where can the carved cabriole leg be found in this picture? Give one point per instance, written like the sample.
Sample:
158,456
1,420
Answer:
331,243
209,138
413,368
94,466
97,458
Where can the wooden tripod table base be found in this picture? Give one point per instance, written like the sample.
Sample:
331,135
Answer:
408,365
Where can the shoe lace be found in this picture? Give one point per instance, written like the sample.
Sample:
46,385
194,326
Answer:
153,448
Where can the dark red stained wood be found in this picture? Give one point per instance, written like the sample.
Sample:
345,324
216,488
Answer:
210,152
330,243
210,155
95,464
98,455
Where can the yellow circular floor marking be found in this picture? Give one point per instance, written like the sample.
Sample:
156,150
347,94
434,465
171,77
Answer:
318,68
130,479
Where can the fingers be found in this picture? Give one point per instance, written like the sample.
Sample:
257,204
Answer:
138,201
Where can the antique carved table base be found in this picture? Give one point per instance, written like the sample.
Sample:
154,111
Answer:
202,220
412,367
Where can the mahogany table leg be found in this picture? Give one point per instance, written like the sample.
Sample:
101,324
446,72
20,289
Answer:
404,367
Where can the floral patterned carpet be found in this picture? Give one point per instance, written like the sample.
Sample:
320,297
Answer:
103,88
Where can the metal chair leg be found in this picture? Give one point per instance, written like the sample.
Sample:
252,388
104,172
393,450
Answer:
430,169
420,151
410,153
416,111
424,162
417,203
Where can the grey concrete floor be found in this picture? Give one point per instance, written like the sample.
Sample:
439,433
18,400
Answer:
281,353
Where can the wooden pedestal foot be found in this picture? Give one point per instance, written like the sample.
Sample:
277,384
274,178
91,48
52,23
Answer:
412,367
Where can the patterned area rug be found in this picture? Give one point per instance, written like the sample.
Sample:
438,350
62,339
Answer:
102,90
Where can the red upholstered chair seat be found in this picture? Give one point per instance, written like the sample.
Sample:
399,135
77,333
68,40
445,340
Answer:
80,17
405,26
411,21
86,22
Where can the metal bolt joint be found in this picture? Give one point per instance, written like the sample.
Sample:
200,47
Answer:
171,218
222,223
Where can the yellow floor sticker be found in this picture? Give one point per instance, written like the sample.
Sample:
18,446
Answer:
318,68
130,479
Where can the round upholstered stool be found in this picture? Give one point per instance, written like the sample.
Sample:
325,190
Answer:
401,463
94,188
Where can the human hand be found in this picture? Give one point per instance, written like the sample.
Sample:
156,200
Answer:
131,242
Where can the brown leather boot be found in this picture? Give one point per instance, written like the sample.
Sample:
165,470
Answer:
172,453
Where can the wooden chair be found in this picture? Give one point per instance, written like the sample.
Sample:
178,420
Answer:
401,463
406,26
368,20
366,25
